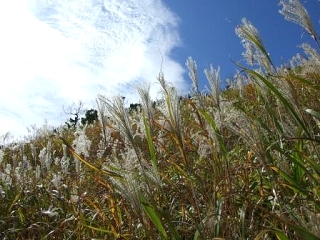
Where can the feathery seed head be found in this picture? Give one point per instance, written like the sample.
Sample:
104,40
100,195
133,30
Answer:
81,143
255,51
293,11
192,66
213,76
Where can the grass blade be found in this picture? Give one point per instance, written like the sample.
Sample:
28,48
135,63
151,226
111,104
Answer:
281,98
154,218
151,147
216,130
313,113
291,182
85,162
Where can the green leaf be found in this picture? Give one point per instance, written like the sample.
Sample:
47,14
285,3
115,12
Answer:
196,235
281,235
154,218
291,182
151,147
303,233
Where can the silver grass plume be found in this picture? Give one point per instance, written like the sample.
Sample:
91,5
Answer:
314,56
293,11
144,92
213,76
171,109
192,66
119,114
255,51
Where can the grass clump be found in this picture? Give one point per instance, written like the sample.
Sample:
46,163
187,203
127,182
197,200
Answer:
239,163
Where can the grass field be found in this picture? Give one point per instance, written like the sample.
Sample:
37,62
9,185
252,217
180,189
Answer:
239,163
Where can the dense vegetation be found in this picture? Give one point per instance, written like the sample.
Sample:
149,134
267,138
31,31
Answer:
242,163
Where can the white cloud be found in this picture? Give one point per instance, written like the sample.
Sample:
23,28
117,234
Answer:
57,52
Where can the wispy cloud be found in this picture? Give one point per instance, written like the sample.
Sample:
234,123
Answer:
55,53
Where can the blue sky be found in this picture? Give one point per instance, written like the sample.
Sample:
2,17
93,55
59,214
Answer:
207,31
55,53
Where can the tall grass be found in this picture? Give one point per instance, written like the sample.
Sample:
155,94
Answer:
239,163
